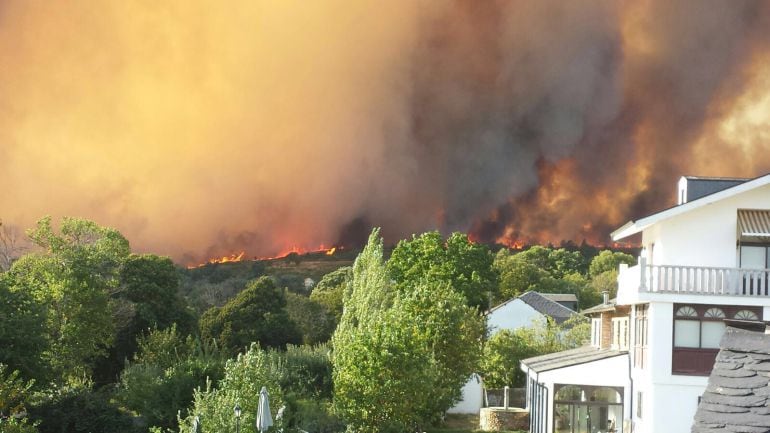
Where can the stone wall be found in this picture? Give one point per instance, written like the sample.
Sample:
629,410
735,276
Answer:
499,419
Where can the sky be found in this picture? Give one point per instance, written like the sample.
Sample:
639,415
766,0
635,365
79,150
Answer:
200,130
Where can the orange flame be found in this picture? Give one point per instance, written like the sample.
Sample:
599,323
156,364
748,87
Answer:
281,255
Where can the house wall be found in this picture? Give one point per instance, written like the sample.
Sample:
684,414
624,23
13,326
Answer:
669,400
705,236
472,397
606,372
513,315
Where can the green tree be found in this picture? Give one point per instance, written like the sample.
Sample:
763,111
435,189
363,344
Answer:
73,277
167,368
15,394
22,334
400,355
244,378
609,261
147,298
465,266
312,319
329,291
257,314
505,350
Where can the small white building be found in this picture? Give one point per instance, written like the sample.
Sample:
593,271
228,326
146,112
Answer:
528,308
513,314
703,262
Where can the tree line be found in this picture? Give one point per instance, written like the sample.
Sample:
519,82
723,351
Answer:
96,338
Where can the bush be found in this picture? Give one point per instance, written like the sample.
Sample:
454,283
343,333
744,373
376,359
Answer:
166,371
307,371
244,378
76,410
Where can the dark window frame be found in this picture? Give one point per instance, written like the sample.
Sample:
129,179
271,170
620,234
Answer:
699,361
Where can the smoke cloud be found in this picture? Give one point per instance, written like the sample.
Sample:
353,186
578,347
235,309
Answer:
201,130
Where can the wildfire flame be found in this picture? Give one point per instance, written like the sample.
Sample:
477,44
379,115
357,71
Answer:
233,258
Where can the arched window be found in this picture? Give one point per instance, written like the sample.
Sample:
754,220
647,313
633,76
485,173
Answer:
570,393
714,313
746,315
686,311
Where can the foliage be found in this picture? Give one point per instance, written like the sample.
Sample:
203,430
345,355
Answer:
609,261
13,425
316,416
329,291
466,267
307,371
314,322
400,356
147,298
167,369
21,330
14,392
80,410
504,351
257,314
73,278
544,270
244,378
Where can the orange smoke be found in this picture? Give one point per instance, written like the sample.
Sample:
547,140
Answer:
199,129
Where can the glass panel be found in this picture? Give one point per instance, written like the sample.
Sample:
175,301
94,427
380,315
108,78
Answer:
562,418
714,313
609,395
712,333
746,315
752,257
570,393
615,419
687,333
686,311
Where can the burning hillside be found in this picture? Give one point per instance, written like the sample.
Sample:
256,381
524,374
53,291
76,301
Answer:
201,130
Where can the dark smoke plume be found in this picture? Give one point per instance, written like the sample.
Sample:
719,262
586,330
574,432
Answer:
200,130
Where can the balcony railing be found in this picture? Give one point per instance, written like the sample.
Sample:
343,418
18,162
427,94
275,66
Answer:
696,280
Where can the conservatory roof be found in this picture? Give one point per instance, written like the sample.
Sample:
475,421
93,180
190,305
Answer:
569,358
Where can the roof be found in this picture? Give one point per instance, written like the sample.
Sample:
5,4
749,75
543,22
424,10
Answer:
609,306
569,358
561,297
737,397
699,186
547,307
634,227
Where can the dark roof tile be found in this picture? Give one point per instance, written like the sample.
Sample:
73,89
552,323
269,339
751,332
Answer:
737,392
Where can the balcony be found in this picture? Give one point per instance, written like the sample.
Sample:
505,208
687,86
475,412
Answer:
695,280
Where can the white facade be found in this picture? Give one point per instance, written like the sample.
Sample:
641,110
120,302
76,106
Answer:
691,256
473,397
512,315
605,373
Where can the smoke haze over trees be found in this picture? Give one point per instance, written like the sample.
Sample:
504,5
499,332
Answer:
199,130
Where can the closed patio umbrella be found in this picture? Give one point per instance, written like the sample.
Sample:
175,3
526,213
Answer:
264,420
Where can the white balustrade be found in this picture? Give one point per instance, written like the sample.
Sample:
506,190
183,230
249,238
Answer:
696,280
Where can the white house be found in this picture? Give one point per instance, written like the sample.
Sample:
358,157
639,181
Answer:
513,314
524,310
704,261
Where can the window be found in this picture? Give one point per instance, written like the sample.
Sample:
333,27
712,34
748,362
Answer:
692,331
697,332
746,315
640,336
587,409
596,332
620,333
